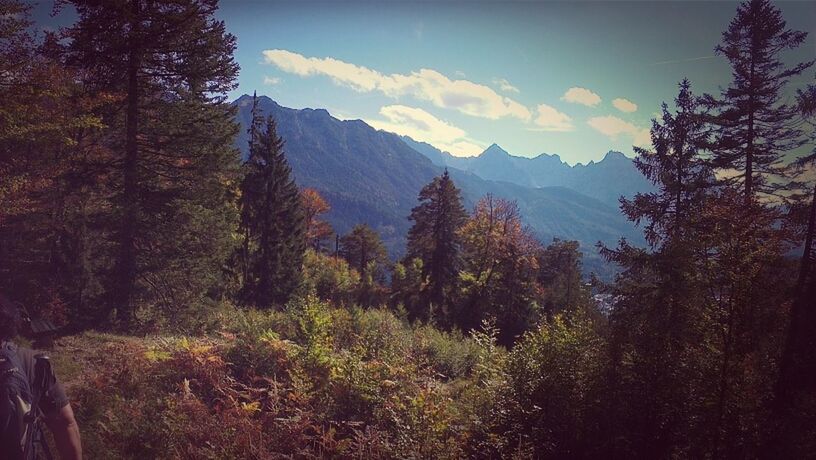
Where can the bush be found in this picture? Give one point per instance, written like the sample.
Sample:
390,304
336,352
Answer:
554,376
450,354
329,278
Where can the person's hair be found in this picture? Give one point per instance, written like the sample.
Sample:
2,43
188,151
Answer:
9,318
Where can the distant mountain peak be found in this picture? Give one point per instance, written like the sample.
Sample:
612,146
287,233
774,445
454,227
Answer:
614,155
494,149
551,156
243,101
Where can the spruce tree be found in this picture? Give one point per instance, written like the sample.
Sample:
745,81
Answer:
655,322
169,64
364,250
745,253
434,239
272,220
754,127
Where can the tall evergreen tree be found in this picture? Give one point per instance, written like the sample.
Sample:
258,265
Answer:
168,66
434,239
272,219
753,125
656,334
364,250
677,168
745,258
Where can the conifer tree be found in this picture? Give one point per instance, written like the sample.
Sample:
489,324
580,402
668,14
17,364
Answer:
655,322
753,123
272,219
364,250
168,66
744,256
434,240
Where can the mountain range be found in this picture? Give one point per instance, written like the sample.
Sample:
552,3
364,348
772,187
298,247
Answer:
370,176
606,180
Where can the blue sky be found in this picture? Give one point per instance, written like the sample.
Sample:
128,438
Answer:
532,77
575,79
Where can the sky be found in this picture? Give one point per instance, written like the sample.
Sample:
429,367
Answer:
575,79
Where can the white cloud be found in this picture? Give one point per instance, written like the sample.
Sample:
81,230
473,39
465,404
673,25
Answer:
505,85
583,96
550,119
425,84
624,105
424,127
271,80
613,127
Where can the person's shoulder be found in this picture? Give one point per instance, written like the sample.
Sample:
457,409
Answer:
26,352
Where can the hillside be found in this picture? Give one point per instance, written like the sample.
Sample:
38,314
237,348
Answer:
373,177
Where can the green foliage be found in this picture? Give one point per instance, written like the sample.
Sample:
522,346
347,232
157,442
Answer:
170,180
499,279
560,278
314,337
434,240
363,249
550,401
273,222
329,278
451,355
407,286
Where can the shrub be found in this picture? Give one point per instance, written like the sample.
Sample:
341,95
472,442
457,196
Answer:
450,354
329,278
554,377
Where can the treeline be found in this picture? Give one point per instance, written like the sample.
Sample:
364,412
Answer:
123,205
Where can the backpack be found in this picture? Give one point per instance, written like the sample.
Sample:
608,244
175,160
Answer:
16,403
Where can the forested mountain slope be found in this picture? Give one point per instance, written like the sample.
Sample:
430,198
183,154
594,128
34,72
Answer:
374,176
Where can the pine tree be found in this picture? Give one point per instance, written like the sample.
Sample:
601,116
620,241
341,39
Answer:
272,219
168,66
655,322
364,250
434,239
753,125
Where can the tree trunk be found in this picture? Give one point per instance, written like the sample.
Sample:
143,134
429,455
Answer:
126,270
